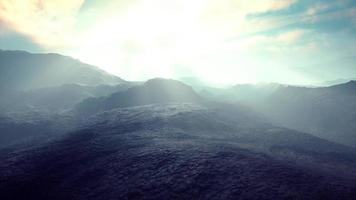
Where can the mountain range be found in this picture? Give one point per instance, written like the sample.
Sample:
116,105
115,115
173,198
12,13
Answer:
153,91
87,134
326,112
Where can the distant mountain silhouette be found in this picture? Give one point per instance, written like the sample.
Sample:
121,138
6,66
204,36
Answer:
153,91
250,92
55,99
327,112
21,70
241,92
335,82
349,86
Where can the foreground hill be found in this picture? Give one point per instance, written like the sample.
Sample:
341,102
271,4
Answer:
182,151
21,70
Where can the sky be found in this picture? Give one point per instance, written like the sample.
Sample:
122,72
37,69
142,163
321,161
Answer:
220,42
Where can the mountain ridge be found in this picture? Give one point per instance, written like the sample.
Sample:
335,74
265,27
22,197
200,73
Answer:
22,70
156,90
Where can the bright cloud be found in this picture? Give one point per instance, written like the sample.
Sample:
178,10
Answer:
216,40
163,34
48,23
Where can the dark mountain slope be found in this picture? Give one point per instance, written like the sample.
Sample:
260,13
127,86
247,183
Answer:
178,151
22,70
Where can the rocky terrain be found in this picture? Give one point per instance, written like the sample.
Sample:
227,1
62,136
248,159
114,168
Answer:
178,151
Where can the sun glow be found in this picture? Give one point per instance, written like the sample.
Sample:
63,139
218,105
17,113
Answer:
217,41
151,40
172,39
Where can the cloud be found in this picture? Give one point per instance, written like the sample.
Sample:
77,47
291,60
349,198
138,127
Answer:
52,23
234,13
151,36
317,8
287,38
249,7
49,22
139,39
291,36
268,5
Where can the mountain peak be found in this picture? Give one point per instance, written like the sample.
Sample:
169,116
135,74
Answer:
153,91
162,82
351,85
